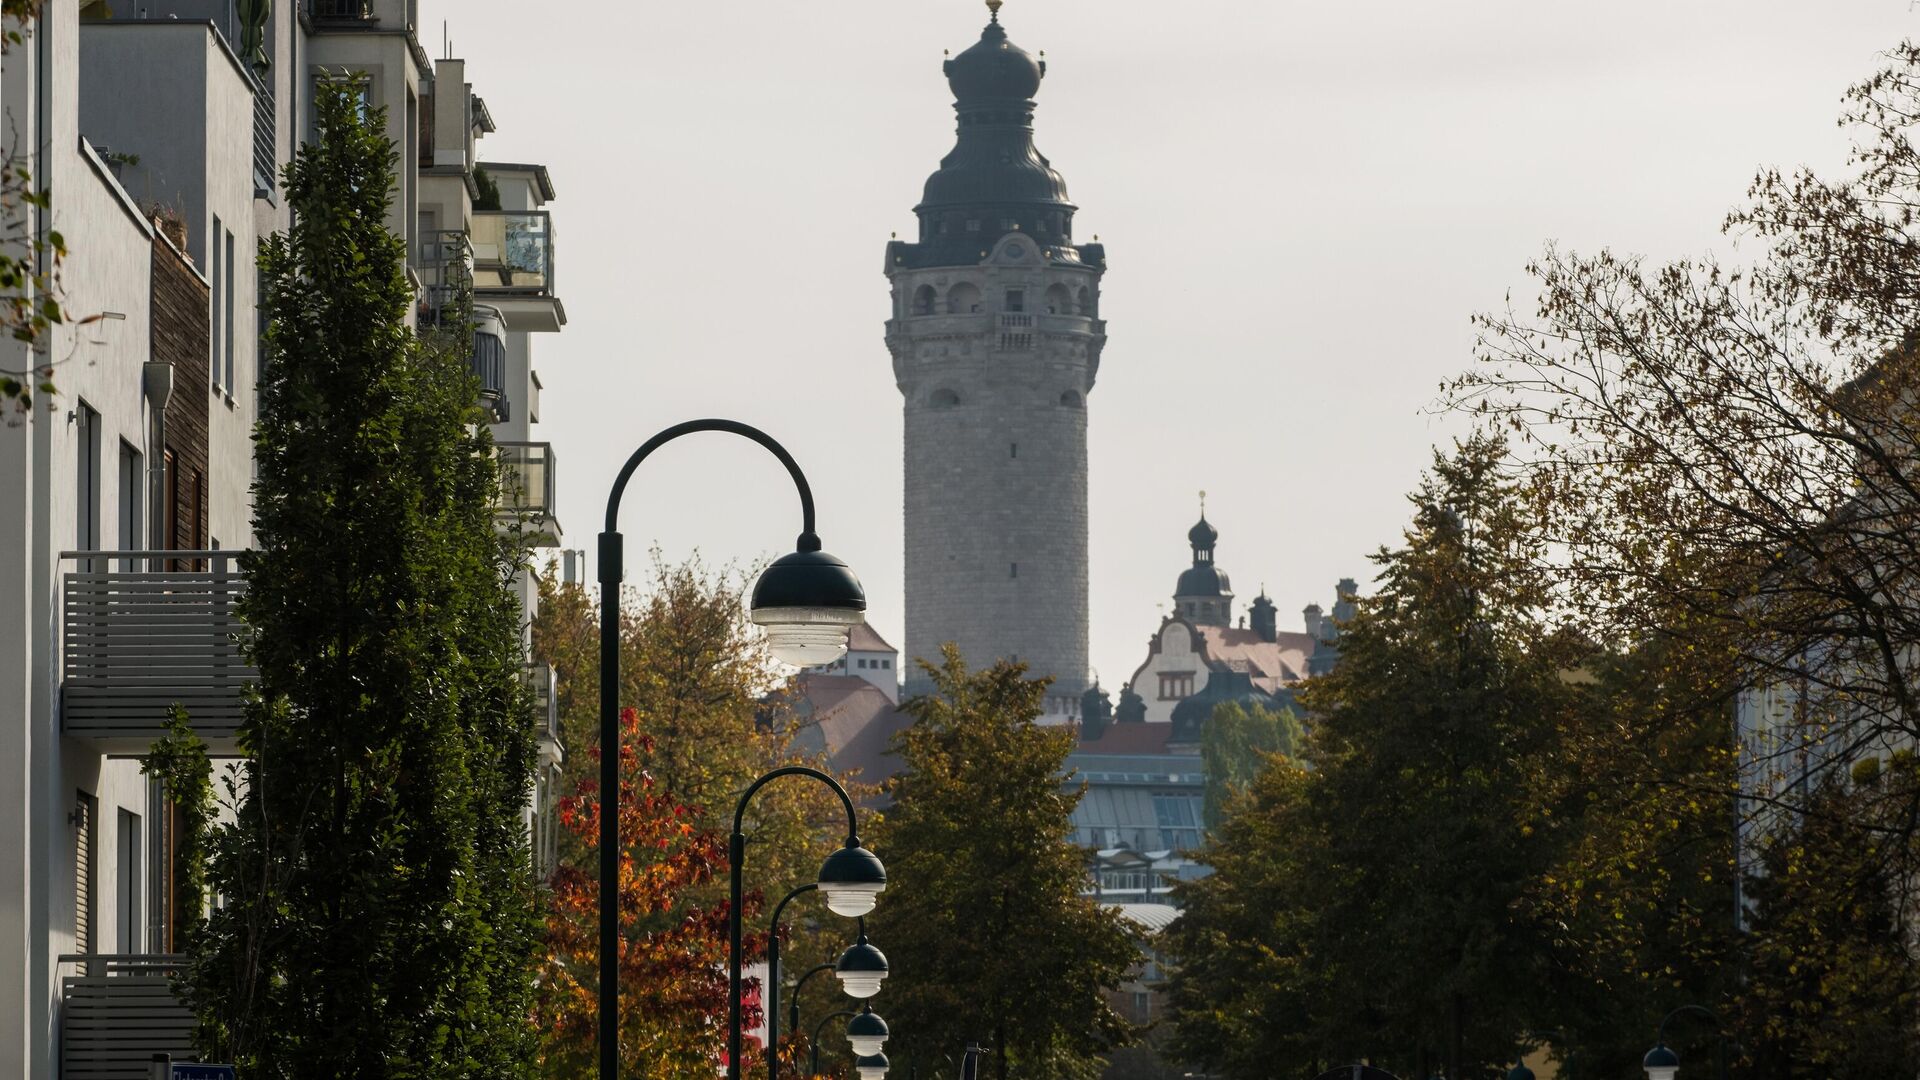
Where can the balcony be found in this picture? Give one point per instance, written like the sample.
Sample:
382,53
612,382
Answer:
488,362
526,489
143,631
118,1013
513,267
546,704
341,11
513,252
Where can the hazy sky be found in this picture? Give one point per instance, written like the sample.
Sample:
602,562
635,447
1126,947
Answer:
1302,203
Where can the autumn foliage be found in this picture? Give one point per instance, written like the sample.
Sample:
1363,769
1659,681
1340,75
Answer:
673,956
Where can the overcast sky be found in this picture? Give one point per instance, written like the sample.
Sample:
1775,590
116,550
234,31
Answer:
1302,203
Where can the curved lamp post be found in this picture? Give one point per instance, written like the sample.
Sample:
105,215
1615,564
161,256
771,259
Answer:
815,1037
851,879
1661,1063
806,601
793,1008
773,980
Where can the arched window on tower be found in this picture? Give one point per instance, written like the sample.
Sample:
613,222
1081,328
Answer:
963,298
1059,300
923,300
1086,301
943,398
1070,399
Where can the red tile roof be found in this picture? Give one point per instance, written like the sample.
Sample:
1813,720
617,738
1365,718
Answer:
1128,739
1271,663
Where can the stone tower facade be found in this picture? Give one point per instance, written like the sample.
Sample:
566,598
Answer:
996,336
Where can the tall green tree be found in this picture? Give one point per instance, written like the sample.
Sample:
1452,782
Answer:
984,920
1236,745
378,917
1396,932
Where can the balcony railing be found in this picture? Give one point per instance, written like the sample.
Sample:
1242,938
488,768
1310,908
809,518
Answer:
526,479
513,252
145,630
488,361
118,1013
266,172
341,10
546,703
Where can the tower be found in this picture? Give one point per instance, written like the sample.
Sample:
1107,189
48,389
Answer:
995,337
1202,595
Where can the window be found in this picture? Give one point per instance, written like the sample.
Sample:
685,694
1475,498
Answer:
218,280
973,224
1179,819
923,300
86,480
888,664
1142,1006
1013,450
132,491
226,323
1176,685
1013,570
126,913
1016,300
943,399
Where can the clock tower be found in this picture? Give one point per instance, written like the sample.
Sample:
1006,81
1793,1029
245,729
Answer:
995,338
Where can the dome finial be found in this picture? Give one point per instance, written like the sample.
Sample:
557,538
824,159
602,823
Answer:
1203,506
994,7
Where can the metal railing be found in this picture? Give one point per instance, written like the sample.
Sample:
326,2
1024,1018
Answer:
513,252
119,1012
341,10
526,479
266,171
142,631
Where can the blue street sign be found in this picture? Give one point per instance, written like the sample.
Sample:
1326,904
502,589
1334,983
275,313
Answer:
194,1070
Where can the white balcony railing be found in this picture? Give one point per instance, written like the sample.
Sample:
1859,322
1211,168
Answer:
142,631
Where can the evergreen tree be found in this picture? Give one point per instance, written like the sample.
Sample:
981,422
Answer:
1391,926
378,918
984,920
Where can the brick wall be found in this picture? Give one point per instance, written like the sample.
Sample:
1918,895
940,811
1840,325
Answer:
183,337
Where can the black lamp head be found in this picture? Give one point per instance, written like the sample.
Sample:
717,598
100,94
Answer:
852,879
807,601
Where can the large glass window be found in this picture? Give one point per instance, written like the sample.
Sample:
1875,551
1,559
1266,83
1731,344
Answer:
1179,819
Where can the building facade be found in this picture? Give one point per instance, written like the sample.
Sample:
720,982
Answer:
161,127
995,335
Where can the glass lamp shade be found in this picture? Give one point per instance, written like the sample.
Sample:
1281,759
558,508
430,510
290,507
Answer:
1661,1063
861,969
807,601
851,879
867,1033
871,1066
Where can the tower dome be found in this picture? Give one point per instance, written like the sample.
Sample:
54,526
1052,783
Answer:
1203,535
1203,594
994,69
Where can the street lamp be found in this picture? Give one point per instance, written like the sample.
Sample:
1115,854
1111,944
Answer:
851,872
867,1032
1661,1063
871,1066
861,968
806,601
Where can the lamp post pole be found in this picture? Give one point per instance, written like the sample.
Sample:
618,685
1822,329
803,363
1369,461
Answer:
793,1007
815,1038
773,980
808,563
736,859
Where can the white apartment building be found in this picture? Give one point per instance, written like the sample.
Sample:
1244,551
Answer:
160,127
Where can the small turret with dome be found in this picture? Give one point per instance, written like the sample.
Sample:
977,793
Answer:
1203,595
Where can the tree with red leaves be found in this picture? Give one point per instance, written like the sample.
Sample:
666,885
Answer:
673,956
